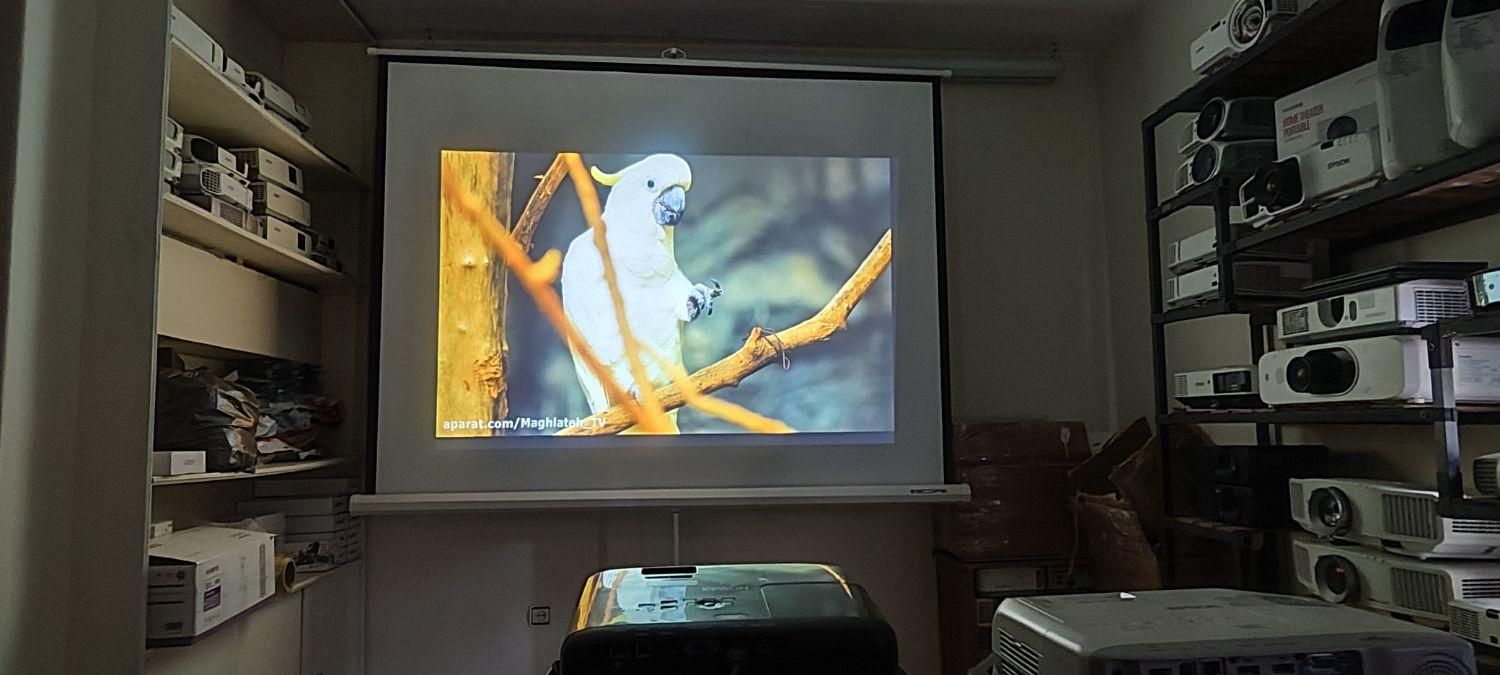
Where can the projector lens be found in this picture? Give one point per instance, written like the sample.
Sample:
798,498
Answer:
1210,119
1321,372
1205,164
1337,579
1247,21
1330,508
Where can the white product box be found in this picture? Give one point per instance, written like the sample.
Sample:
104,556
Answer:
195,39
267,166
1342,105
317,524
201,577
305,487
161,528
305,506
178,462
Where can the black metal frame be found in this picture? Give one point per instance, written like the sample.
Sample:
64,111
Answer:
1454,191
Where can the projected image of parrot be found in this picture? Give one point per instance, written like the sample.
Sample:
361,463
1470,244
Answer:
755,291
646,201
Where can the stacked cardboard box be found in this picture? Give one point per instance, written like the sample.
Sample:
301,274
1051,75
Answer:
1016,537
320,533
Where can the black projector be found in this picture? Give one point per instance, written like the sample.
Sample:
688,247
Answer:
781,619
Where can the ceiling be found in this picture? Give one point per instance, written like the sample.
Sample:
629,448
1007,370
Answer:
989,26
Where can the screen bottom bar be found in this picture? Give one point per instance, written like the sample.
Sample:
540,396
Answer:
461,502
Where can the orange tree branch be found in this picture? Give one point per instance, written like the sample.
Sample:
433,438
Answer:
724,410
761,348
525,227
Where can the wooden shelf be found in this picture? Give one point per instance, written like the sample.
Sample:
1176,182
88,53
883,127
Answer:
205,102
184,220
1417,415
260,472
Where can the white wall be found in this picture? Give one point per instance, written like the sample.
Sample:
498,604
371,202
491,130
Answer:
79,343
1027,337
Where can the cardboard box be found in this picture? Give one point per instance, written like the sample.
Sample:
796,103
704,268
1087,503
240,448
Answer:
302,506
1018,474
315,524
305,487
178,462
1304,117
200,578
317,552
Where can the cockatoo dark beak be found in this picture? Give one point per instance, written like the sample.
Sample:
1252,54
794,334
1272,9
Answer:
669,206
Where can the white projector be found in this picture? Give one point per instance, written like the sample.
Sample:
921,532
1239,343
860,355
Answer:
1353,575
1219,388
200,178
196,148
1487,474
280,101
273,200
1192,251
1413,131
1232,161
1390,368
1271,279
1213,631
1399,517
1246,24
1328,171
1236,119
1409,304
263,165
1476,620
1471,67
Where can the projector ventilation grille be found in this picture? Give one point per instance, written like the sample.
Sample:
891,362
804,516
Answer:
1302,561
1476,527
1441,665
1463,622
1481,588
1017,657
1484,475
1436,304
1294,322
1409,516
1421,591
1181,383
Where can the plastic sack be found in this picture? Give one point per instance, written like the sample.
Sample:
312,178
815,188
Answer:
196,410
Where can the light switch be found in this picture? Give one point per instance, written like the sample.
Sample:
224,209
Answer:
541,616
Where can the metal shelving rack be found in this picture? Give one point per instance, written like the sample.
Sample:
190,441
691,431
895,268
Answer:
1333,36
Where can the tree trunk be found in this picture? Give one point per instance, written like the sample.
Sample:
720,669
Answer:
472,354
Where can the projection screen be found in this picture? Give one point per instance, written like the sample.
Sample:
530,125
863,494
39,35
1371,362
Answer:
771,237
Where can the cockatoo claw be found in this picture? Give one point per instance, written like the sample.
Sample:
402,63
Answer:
701,301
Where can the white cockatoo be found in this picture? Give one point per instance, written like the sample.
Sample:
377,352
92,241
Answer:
645,201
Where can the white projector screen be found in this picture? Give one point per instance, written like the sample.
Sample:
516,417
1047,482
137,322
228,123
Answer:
745,213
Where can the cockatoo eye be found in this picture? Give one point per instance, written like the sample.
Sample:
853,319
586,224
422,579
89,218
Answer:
650,185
